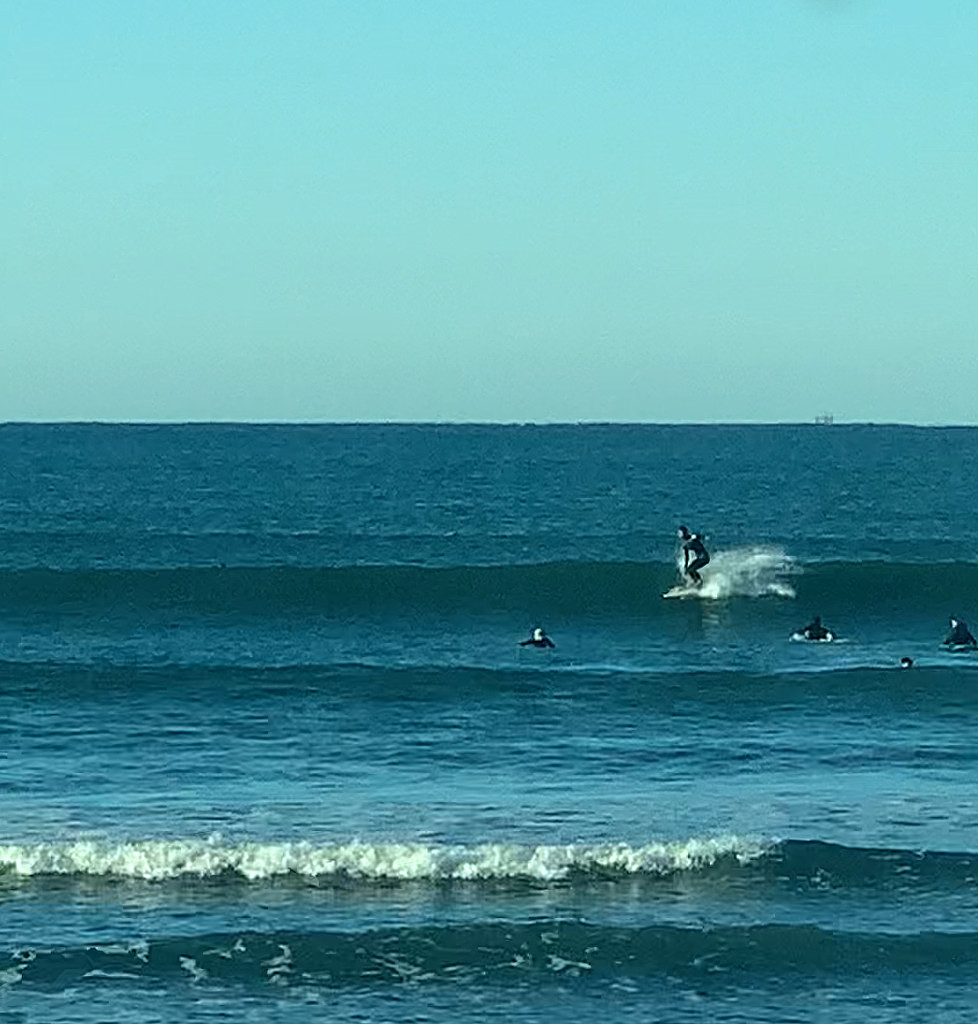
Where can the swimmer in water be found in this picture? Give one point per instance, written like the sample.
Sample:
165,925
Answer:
906,662
693,545
538,639
816,631
959,635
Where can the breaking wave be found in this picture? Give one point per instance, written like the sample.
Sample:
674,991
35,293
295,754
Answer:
175,860
159,860
757,571
553,587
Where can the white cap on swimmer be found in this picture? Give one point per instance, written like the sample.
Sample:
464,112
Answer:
537,633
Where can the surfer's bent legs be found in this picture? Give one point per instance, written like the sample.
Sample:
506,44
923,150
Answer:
693,569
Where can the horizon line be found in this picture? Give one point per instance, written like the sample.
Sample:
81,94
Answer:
814,422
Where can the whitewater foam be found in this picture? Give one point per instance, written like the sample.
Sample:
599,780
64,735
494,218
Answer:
754,571
159,860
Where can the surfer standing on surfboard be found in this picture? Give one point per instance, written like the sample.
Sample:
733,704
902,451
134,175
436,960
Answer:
694,547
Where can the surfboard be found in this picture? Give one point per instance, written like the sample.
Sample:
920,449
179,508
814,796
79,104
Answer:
682,590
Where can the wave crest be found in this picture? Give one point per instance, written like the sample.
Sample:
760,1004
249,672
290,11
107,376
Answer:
159,860
550,588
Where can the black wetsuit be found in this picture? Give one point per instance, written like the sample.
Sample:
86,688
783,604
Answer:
816,631
960,636
693,545
543,641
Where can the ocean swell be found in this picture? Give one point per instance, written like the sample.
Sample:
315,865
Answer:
498,953
566,588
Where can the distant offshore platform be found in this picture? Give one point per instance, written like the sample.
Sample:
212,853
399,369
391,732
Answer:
825,420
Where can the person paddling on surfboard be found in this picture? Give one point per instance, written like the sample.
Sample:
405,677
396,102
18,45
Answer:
959,636
538,639
816,631
693,547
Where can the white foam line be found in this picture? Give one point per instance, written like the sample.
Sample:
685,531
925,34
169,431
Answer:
158,860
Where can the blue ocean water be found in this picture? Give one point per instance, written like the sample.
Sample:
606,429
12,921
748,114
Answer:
271,749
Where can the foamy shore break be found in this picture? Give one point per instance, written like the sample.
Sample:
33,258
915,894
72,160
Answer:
160,860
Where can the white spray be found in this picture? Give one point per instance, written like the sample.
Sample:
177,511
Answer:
756,571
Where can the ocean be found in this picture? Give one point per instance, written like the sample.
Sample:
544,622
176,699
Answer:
272,750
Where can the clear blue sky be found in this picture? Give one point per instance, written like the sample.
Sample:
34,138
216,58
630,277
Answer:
669,210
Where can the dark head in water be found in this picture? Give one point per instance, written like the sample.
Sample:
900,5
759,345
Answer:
906,662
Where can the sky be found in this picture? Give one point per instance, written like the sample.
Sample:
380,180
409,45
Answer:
532,211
